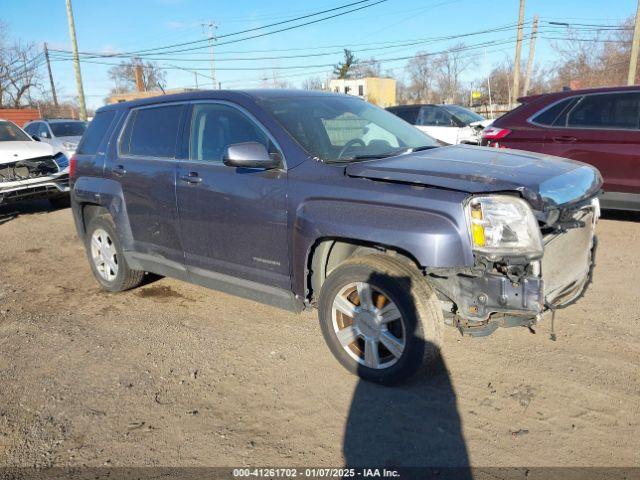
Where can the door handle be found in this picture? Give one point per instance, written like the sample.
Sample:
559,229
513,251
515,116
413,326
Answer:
564,139
192,178
119,171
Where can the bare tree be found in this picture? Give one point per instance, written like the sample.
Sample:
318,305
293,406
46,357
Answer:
448,68
124,75
366,68
421,77
312,83
19,63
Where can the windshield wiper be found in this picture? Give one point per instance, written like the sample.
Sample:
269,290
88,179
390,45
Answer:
374,156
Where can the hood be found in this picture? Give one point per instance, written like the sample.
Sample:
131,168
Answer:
14,151
481,123
545,181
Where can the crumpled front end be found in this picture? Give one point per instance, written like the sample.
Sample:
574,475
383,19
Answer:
518,291
42,177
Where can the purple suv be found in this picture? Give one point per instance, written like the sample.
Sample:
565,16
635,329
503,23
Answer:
308,199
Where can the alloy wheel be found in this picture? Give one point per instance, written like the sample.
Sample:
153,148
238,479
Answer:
368,325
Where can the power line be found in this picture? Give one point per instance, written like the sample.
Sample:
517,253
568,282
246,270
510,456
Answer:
395,44
194,42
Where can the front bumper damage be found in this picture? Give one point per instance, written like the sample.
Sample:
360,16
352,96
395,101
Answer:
519,291
46,177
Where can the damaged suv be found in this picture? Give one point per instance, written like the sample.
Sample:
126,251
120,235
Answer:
31,169
308,199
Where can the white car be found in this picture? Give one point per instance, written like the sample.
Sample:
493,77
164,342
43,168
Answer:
451,124
62,134
31,169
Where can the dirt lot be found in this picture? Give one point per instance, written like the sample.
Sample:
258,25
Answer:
174,374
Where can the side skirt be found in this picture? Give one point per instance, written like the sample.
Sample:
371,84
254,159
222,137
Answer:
268,295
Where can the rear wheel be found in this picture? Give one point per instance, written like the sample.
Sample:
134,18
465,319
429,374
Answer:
107,261
380,318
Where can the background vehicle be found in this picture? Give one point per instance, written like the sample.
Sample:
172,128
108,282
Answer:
30,169
301,199
62,134
597,126
451,124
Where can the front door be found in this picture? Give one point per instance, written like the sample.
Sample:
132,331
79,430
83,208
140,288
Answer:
233,220
145,168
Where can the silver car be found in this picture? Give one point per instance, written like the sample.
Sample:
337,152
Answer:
62,134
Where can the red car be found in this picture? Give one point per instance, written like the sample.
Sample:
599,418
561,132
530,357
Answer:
597,126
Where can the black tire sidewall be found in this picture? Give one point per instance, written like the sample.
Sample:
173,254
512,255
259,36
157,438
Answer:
399,291
105,223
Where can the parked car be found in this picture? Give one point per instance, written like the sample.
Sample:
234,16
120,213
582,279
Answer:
62,134
451,124
598,126
30,169
267,194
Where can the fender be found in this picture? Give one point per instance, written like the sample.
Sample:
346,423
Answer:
108,194
431,238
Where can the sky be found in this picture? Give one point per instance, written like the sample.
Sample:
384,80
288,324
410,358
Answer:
390,30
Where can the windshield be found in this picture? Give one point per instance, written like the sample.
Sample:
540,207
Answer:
333,128
11,133
68,129
466,116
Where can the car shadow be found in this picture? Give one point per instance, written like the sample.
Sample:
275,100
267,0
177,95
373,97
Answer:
11,211
621,215
412,424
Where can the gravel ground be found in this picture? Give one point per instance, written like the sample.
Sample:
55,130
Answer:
176,375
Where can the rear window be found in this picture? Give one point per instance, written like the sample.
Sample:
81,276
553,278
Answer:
95,132
152,132
68,129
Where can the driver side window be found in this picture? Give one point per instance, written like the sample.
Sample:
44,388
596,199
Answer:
216,126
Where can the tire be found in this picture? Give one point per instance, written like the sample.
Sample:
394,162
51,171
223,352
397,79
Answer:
107,261
60,202
367,343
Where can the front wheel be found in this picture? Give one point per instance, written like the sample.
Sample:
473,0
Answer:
380,318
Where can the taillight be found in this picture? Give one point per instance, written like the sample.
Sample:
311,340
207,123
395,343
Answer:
72,167
495,133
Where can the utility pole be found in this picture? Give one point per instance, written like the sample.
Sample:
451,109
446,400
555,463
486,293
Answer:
53,85
516,67
76,62
532,52
633,61
212,38
139,77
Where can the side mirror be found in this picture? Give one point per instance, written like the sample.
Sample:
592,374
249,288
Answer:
44,135
249,155
36,138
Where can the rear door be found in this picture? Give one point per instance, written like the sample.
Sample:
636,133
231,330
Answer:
145,168
233,220
602,130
